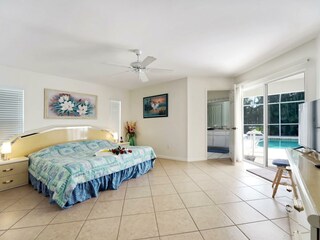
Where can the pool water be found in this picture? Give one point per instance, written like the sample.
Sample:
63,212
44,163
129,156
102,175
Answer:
280,143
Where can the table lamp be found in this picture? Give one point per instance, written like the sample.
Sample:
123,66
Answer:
5,150
115,136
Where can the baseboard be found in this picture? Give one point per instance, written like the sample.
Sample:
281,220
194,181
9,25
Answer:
172,158
197,159
181,159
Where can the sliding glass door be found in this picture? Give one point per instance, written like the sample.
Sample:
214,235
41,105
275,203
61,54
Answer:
270,119
284,97
253,124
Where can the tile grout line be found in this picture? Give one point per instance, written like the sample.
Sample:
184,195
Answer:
42,225
217,205
124,198
230,219
182,168
86,218
185,204
154,209
10,228
245,201
28,211
236,225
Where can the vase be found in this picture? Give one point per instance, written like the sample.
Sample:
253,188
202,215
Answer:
132,140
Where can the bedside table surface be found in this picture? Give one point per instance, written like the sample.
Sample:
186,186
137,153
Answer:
13,160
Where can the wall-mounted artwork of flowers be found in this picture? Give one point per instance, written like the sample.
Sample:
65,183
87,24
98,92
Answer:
62,104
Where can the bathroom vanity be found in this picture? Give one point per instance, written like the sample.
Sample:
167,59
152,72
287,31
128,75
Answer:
218,138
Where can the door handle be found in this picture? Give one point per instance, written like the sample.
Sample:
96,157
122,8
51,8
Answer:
234,128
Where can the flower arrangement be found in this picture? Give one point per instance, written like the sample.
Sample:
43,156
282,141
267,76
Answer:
120,150
117,151
130,129
66,105
131,132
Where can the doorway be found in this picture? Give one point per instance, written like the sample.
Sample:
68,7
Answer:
218,124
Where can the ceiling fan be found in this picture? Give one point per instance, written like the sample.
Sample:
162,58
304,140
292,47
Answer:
140,67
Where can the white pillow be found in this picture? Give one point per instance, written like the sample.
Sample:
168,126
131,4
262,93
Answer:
103,152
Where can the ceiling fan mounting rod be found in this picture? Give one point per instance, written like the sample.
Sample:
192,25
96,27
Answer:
138,52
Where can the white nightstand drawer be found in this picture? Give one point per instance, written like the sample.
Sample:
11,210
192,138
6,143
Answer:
13,168
13,181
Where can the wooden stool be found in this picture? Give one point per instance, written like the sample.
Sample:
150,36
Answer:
283,166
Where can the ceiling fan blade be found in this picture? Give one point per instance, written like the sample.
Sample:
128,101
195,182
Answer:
159,70
148,60
143,76
116,65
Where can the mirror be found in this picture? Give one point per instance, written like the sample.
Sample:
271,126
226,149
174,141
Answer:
218,114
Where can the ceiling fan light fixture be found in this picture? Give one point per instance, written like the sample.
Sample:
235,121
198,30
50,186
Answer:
143,76
141,67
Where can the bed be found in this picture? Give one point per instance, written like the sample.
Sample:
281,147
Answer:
70,172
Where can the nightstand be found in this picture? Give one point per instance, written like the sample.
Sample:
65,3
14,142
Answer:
124,144
13,173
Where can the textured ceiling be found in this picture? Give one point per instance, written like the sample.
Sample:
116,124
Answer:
206,38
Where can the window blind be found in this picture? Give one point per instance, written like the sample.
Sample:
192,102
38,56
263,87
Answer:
11,113
115,116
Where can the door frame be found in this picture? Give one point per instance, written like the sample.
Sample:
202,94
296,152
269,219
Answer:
264,82
234,157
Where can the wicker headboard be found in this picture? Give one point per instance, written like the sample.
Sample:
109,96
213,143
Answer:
33,141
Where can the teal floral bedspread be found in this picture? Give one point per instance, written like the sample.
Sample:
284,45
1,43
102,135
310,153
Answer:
62,167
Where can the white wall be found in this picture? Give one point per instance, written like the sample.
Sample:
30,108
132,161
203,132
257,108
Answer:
197,113
288,63
167,135
318,65
33,85
284,86
183,135
217,95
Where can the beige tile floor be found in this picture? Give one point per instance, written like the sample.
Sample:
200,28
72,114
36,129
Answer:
176,200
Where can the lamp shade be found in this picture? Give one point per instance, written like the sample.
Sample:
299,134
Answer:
115,136
6,148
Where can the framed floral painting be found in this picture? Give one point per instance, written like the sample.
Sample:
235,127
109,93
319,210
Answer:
155,106
63,104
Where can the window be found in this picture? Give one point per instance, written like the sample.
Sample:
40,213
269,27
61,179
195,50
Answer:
11,113
253,113
283,113
115,117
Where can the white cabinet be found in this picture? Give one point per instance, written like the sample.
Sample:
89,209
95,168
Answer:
219,141
210,138
218,138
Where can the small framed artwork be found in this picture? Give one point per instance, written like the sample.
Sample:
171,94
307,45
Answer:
155,106
63,104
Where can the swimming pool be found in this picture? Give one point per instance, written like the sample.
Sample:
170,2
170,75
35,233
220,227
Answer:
281,143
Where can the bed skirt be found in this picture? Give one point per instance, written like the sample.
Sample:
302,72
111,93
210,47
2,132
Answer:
87,190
